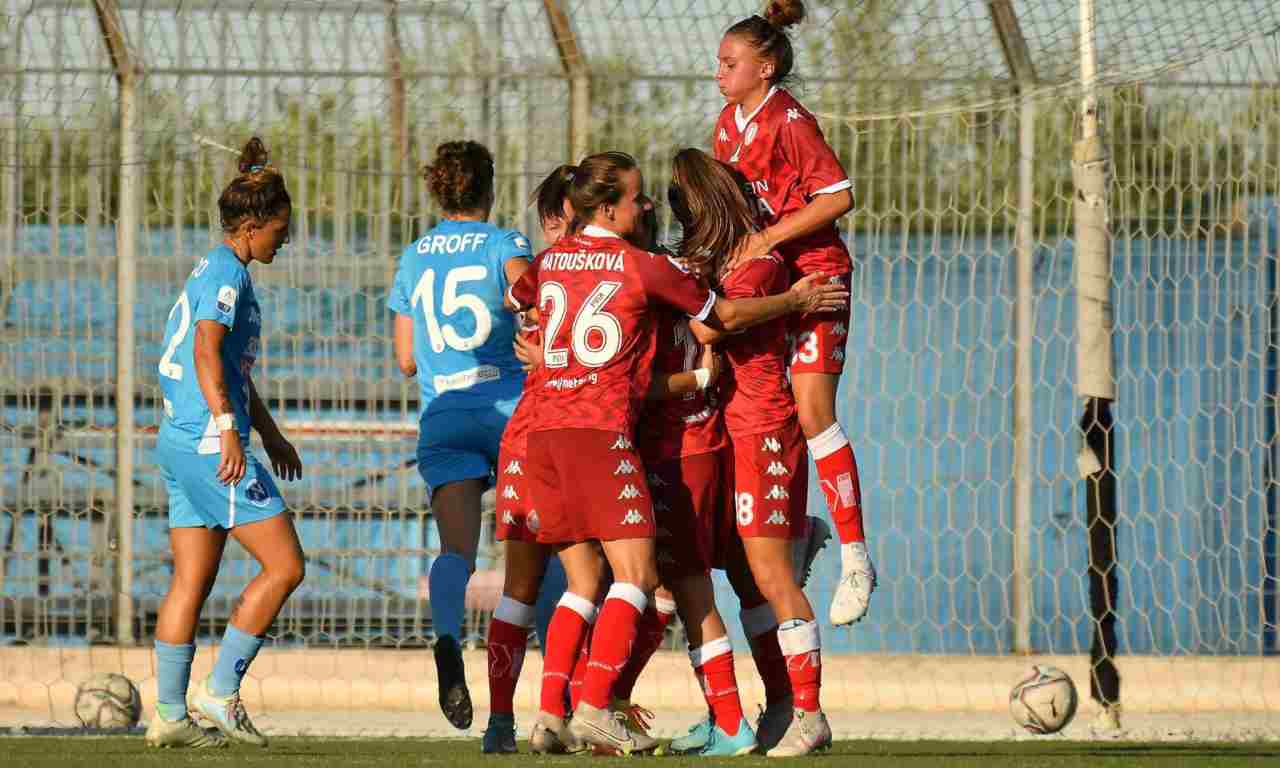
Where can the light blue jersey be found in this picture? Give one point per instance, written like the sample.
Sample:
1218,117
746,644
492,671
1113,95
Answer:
452,282
218,289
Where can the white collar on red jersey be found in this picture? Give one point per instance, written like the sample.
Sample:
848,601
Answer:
743,121
591,230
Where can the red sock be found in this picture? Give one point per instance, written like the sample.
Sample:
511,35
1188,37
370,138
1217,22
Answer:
568,627
762,633
611,643
838,477
507,640
650,633
580,669
713,665
800,643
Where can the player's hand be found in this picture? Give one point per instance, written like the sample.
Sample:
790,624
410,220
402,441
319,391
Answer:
813,293
713,362
527,352
232,465
284,458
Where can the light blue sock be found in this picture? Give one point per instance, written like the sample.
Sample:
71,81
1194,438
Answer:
448,582
554,583
234,657
173,674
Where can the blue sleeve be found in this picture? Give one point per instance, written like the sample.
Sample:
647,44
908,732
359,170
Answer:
398,299
219,291
512,245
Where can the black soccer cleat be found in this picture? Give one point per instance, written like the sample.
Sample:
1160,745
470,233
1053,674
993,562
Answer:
455,699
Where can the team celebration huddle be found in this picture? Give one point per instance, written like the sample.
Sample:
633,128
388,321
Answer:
646,412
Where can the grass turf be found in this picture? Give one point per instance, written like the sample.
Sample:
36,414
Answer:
102,752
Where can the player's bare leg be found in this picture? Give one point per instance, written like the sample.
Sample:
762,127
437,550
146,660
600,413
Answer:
815,395
456,508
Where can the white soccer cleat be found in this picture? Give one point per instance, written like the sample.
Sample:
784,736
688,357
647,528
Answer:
551,736
608,731
773,723
226,713
182,733
1107,721
809,733
857,582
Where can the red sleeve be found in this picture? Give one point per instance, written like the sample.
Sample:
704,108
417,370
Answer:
805,149
756,278
669,283
523,293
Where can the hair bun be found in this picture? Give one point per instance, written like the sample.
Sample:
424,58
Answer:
254,156
784,13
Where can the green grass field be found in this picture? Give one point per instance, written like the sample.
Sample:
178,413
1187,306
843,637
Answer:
100,752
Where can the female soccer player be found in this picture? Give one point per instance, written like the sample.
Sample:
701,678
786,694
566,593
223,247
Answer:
801,190
770,470
531,572
595,293
453,332
216,487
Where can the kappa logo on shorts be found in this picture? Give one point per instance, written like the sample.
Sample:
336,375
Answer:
509,492
660,506
662,533
625,467
629,491
776,468
837,355
633,517
776,518
777,492
532,521
772,445
656,481
513,468
623,443
256,493
839,330
665,558
508,518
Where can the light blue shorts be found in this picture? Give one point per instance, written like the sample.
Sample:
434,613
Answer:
197,499
461,444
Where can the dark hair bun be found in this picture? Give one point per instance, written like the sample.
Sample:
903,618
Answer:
254,154
784,13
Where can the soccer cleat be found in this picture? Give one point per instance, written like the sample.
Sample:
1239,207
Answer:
694,740
638,718
809,733
500,736
857,582
721,744
551,736
608,731
773,722
226,713
1107,721
806,548
455,699
182,733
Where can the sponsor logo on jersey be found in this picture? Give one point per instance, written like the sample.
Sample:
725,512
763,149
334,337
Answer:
256,493
777,492
623,443
776,518
226,298
772,445
629,491
509,492
633,517
514,468
625,467
776,468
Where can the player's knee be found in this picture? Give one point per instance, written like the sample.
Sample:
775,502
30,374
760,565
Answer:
776,582
289,574
815,417
522,590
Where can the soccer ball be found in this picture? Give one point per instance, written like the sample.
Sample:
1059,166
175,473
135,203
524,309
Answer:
1044,701
108,700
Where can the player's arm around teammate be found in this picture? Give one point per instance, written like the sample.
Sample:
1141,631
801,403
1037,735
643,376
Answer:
800,190
215,486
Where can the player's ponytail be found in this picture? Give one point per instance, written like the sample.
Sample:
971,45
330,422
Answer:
707,198
552,192
257,193
767,34
597,181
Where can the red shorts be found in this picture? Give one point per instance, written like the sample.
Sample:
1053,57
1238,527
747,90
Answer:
771,483
818,340
586,484
512,498
687,495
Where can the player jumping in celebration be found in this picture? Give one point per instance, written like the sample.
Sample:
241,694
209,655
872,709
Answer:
453,332
801,191
533,578
770,469
216,486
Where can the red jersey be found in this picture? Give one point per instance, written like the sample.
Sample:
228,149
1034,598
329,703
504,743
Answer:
781,151
514,437
596,294
758,397
686,425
